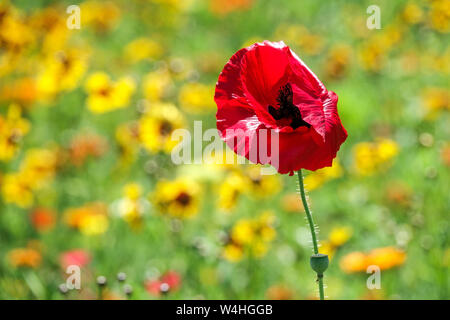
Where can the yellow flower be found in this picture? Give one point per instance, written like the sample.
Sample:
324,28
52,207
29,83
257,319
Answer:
371,157
339,236
374,52
243,232
36,170
300,36
12,128
327,248
141,49
132,206
90,219
252,234
50,24
39,167
101,15
132,191
157,125
25,257
15,189
338,60
412,13
179,198
15,34
435,100
317,178
259,185
94,224
105,95
156,84
233,253
127,136
61,72
230,190
197,97
439,15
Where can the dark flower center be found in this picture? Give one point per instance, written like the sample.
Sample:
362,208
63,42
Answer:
183,198
287,109
165,128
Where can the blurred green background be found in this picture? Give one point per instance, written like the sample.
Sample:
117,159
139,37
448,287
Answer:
86,176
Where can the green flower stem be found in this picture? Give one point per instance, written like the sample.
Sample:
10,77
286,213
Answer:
313,230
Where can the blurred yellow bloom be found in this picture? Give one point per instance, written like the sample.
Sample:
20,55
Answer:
36,170
39,167
233,253
259,185
14,32
230,190
61,72
179,198
371,157
50,24
439,15
101,15
435,100
327,248
339,58
339,236
412,13
132,206
301,37
143,48
385,258
127,136
157,125
90,219
12,129
132,191
317,178
243,232
15,189
105,95
156,84
24,257
252,234
374,52
196,97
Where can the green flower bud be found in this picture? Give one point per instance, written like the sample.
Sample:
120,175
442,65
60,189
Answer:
319,263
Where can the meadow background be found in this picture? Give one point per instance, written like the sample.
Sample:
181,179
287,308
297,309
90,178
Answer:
86,176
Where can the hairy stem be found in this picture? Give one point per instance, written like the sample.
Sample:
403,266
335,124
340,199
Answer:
312,228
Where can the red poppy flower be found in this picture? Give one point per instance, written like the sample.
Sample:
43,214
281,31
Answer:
170,281
77,257
266,86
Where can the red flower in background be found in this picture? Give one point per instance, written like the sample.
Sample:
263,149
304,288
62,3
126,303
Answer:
77,257
43,219
266,86
168,282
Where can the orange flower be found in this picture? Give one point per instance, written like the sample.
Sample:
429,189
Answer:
279,292
43,219
353,262
24,257
224,7
85,145
385,258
